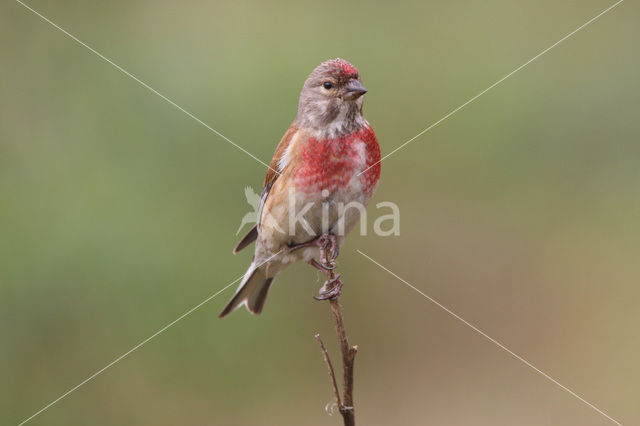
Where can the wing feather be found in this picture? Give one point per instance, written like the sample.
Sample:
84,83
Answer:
272,175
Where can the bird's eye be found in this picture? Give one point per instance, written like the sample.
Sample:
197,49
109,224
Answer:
327,85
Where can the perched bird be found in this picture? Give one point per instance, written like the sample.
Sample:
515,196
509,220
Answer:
324,171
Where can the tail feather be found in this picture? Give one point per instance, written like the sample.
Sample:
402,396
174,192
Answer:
252,292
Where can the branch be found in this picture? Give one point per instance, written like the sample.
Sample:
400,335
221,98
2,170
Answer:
332,374
348,358
346,406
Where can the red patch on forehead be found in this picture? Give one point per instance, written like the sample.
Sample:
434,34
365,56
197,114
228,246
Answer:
345,68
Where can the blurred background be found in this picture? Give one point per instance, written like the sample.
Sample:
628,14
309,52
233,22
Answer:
520,213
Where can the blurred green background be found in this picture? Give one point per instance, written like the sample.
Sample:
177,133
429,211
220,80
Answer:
520,213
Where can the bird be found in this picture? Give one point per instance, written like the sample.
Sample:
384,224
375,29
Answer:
323,173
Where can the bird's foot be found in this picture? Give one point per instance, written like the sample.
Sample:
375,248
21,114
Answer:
329,250
328,244
325,269
331,289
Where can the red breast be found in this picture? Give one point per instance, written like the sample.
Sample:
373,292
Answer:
330,163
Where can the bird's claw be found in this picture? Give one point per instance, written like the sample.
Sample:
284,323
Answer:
322,267
328,243
331,289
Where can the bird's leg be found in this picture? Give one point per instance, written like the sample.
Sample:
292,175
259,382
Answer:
293,247
328,245
325,242
329,250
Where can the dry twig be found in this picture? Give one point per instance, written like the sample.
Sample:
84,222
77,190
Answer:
345,405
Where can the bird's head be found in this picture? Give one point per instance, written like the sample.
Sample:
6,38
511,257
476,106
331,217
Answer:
331,99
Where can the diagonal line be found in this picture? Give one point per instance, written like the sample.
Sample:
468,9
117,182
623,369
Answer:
493,85
91,377
500,345
128,74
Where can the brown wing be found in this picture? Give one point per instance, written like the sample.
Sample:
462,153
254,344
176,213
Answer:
271,177
280,150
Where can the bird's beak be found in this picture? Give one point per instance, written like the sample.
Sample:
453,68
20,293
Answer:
355,89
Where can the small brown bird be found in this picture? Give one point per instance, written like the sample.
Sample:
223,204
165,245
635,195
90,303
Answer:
314,185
